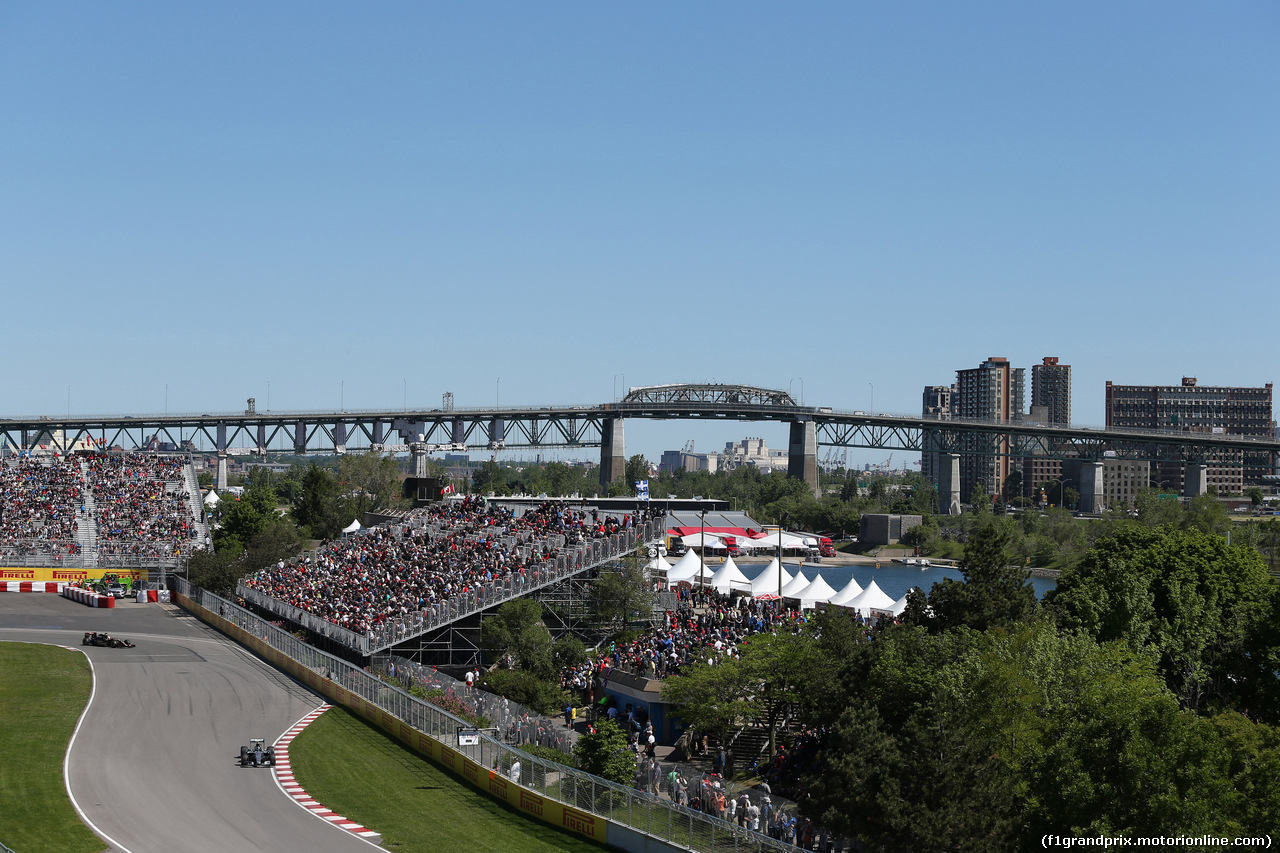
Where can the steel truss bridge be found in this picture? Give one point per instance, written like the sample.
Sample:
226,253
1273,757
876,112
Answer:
424,431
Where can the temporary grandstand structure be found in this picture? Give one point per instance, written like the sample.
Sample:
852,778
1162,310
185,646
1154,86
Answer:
872,598
685,568
798,583
729,577
772,579
817,591
850,591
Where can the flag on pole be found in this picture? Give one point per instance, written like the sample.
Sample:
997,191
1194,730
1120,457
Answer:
642,489
447,490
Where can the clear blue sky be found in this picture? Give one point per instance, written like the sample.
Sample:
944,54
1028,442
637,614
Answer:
364,200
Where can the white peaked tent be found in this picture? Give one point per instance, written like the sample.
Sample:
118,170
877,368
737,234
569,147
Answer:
767,582
872,598
352,527
817,591
901,604
797,585
684,569
656,565
729,577
211,498
851,591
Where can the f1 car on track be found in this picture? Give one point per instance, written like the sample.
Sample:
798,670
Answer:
257,755
93,638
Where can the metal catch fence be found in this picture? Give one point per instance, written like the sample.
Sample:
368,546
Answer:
639,810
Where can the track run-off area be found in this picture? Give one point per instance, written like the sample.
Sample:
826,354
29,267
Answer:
154,764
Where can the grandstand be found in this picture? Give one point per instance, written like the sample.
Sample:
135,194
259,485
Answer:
438,565
92,509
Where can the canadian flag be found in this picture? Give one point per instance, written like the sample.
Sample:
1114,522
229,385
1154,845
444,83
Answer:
447,490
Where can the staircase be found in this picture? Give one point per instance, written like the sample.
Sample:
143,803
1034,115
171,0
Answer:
195,505
86,520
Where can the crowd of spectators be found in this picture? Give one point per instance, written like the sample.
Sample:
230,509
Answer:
140,498
445,550
39,498
140,503
706,626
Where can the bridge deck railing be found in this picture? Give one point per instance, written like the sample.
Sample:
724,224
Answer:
639,810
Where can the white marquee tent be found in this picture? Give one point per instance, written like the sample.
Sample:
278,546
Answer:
684,569
797,585
817,591
850,591
901,604
729,577
872,598
767,582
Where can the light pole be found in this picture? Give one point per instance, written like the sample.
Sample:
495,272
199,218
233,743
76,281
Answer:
779,566
873,397
702,551
497,392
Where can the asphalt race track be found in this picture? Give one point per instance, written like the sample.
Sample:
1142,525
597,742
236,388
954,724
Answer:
155,766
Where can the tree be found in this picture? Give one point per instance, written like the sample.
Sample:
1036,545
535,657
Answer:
240,520
515,632
1204,608
637,469
780,669
316,509
371,481
1207,514
606,753
993,592
616,595
711,697
1255,496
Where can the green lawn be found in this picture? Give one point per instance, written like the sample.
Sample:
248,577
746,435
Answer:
43,690
363,774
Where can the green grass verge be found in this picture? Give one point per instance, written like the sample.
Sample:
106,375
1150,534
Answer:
361,773
45,689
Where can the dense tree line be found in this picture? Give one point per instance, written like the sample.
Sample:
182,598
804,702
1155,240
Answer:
1139,699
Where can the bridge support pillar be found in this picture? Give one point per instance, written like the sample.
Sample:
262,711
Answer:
1195,480
418,455
949,483
802,453
262,439
1092,497
339,438
613,452
221,481
300,438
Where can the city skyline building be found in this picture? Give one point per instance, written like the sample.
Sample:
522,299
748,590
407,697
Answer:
1192,407
992,391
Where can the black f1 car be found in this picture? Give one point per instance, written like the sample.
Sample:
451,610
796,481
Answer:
93,638
257,755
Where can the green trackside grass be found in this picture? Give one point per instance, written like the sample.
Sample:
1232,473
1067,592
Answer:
43,690
361,773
